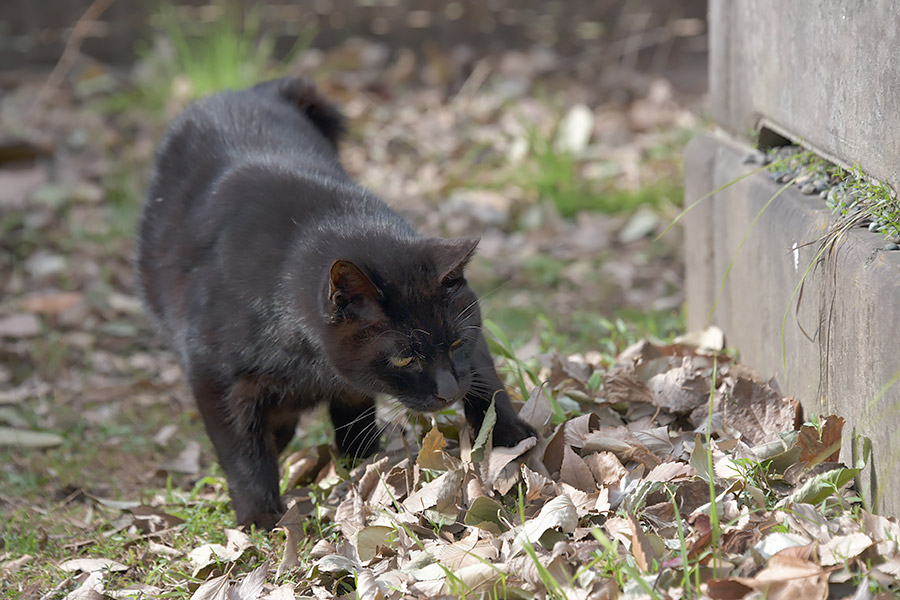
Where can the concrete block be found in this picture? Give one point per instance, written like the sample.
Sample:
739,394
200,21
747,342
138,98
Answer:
841,335
820,73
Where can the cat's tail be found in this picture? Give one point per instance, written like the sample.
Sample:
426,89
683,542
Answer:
306,98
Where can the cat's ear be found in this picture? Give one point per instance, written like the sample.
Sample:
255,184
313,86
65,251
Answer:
352,292
452,256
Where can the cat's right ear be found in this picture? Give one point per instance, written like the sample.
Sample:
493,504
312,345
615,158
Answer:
352,293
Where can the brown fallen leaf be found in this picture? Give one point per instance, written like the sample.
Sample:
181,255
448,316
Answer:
727,589
440,493
557,513
824,444
680,390
670,471
51,303
757,411
575,472
789,577
606,468
621,386
292,525
431,455
537,411
641,548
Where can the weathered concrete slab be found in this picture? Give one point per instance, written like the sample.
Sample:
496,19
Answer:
849,308
823,73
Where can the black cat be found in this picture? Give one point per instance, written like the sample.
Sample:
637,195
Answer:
280,284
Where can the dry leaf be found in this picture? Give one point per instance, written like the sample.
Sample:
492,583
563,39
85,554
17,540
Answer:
502,456
534,483
606,468
431,455
251,586
20,325
212,589
641,549
292,526
366,586
51,303
670,471
575,472
622,387
787,577
680,390
557,513
537,411
89,565
369,539
187,462
23,438
821,446
842,548
440,493
757,411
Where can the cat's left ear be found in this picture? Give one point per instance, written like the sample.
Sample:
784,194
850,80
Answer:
352,292
452,256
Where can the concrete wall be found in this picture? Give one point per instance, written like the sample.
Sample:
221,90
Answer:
823,72
824,75
849,308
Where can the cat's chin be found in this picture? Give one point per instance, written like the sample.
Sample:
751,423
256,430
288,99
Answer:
428,404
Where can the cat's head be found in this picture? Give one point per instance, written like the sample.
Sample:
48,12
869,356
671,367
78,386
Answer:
403,321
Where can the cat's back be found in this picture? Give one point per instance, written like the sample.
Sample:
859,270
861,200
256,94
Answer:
228,159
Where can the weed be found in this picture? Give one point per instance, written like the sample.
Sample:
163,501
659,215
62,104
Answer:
193,58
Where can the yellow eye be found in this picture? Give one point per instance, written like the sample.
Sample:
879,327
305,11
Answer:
456,344
401,362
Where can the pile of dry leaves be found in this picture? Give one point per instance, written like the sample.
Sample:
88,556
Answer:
616,502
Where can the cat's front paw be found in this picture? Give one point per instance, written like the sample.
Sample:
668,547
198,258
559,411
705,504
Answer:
262,519
512,431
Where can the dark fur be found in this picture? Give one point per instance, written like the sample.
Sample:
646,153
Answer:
280,284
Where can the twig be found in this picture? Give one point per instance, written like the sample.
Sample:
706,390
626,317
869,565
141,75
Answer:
56,588
67,58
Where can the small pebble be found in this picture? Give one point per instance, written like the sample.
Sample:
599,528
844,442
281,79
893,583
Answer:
785,178
766,159
821,185
890,247
808,189
751,158
823,194
776,175
874,226
803,179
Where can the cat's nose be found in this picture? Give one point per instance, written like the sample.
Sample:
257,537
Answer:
447,386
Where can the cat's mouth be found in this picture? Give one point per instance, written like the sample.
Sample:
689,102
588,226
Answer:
427,403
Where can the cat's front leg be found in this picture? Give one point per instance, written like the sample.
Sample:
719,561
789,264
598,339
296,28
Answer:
237,425
486,386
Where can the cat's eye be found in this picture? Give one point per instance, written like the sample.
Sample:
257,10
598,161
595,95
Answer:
401,361
455,345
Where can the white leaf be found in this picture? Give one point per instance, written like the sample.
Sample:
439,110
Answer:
25,438
89,565
252,585
842,548
575,129
559,512
214,589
